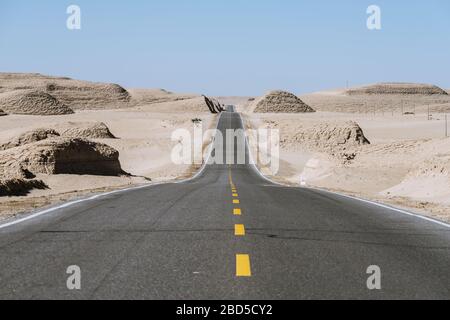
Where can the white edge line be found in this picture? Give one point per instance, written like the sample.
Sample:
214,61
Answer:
252,160
411,214
385,206
72,203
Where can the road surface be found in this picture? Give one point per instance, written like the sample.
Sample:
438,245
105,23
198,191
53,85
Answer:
200,240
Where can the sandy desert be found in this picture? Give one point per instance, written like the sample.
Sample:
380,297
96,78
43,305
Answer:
61,139
384,142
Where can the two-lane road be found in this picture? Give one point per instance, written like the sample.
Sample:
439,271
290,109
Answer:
227,234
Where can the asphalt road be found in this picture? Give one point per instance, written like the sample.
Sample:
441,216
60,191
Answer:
187,241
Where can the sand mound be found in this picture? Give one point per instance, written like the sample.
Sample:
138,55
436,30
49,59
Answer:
60,156
87,95
398,88
331,137
2,113
32,102
85,130
73,93
20,187
30,137
280,102
96,130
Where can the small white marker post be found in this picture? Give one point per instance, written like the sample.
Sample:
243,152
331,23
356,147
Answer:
446,126
302,181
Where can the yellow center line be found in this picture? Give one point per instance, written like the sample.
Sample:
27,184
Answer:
243,268
239,230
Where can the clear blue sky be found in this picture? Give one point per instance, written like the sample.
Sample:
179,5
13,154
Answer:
229,47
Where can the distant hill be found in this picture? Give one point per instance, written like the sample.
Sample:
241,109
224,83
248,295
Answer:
75,94
394,98
36,94
398,88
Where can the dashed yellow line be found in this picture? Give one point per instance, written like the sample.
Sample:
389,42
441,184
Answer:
243,268
239,230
